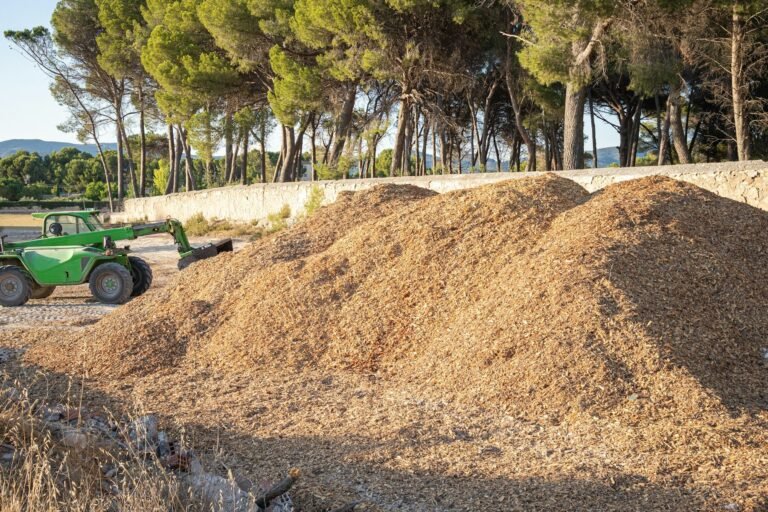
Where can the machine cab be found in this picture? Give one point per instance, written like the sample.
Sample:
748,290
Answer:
69,223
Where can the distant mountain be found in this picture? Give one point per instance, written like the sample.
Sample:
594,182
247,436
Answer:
44,147
605,157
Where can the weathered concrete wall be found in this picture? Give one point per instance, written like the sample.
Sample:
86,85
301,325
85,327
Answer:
747,182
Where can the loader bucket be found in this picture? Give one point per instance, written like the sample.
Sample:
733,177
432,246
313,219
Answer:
206,251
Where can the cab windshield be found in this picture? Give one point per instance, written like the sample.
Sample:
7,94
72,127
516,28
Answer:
72,224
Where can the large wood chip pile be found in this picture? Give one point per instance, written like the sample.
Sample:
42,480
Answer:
642,306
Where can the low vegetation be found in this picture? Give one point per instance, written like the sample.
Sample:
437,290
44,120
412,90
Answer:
199,225
278,220
43,470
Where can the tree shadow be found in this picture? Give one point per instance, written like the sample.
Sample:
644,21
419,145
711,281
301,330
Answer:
696,276
337,470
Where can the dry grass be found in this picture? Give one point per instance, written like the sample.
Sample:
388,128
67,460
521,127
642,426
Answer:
198,225
40,472
13,220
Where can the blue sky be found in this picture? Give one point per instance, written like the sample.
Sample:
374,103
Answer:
27,110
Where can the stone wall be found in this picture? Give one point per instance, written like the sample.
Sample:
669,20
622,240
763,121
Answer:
747,182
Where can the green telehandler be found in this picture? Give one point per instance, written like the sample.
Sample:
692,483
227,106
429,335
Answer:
76,248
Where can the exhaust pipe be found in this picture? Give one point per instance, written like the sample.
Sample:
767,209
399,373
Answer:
206,251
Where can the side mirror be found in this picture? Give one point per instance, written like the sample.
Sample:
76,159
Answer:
55,229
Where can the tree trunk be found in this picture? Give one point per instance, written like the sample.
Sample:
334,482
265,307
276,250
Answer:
129,151
664,136
678,133
341,131
289,144
298,169
739,86
424,141
171,161
415,131
444,152
595,163
434,149
104,166
263,149
635,144
573,137
120,185
142,145
575,96
228,143
530,143
179,153
400,137
244,174
189,164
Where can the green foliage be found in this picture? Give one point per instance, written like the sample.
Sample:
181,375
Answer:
278,220
197,225
383,163
95,191
297,88
11,189
559,28
315,201
160,177
37,190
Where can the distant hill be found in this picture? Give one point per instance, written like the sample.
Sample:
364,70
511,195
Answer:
44,147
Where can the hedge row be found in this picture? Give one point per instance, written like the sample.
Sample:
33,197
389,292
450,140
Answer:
52,205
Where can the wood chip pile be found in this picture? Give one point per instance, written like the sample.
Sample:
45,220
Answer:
643,305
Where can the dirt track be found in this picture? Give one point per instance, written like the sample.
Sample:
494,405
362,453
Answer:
74,306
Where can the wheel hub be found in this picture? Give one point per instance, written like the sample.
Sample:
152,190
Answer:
9,287
109,284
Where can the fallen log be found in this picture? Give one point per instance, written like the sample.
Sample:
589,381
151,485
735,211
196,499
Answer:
280,488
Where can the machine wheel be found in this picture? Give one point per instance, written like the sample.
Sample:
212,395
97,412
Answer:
111,283
42,292
15,286
142,276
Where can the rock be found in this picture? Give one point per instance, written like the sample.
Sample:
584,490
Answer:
143,433
53,414
109,471
163,446
7,454
220,494
75,439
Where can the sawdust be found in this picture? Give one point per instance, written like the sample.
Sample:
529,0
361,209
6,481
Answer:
627,325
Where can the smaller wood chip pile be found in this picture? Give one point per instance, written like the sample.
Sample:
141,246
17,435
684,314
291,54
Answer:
645,302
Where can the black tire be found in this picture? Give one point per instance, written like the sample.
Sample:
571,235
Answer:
42,292
111,283
141,273
15,286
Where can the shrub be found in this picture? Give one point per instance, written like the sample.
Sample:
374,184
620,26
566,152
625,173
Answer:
197,225
11,189
315,201
37,190
95,190
279,220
